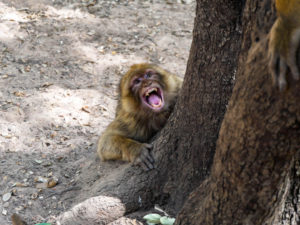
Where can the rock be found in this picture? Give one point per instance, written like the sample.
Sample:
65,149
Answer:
6,197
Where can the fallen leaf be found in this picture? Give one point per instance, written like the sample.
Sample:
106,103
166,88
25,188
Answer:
18,184
85,109
53,134
41,186
47,84
19,94
52,182
27,68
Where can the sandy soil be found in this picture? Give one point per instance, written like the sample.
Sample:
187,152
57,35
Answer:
60,63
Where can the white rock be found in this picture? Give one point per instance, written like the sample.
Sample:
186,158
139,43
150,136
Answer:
6,197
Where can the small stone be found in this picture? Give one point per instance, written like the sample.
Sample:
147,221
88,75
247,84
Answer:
40,179
6,197
19,208
34,196
4,212
52,182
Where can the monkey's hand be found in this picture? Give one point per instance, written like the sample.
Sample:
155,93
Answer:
283,44
145,159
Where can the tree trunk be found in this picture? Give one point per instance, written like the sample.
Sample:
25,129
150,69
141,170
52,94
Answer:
291,211
186,146
257,146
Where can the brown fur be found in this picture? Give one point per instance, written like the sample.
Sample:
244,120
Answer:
17,220
127,137
284,42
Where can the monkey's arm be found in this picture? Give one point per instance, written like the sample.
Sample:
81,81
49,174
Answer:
117,147
284,42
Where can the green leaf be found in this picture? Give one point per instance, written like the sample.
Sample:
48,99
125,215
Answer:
152,218
167,220
150,223
43,224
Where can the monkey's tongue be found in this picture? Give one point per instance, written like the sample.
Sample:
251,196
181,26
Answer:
154,100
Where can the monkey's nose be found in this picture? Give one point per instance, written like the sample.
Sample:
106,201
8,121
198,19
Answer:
147,83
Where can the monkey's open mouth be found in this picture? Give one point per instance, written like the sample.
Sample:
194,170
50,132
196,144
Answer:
153,98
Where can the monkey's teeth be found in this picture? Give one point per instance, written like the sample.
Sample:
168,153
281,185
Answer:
150,91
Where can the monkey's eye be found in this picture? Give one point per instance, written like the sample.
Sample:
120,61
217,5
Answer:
148,75
136,81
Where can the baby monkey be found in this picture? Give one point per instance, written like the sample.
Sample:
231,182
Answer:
147,95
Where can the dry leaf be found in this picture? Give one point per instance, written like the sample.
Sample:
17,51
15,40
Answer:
27,68
19,94
18,184
47,84
85,109
54,134
52,182
41,185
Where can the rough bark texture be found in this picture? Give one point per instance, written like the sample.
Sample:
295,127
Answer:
185,147
291,208
258,145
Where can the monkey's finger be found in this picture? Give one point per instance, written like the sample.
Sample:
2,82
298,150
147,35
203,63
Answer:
148,146
144,162
273,66
144,166
139,162
294,68
147,155
292,57
282,75
148,164
147,159
150,157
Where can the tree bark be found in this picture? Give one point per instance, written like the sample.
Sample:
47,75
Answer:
291,208
186,146
258,144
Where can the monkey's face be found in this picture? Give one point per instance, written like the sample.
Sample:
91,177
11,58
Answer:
146,88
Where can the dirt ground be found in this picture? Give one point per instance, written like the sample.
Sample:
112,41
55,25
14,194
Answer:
60,63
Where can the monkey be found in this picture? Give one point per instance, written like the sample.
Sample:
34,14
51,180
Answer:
17,220
147,95
284,41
